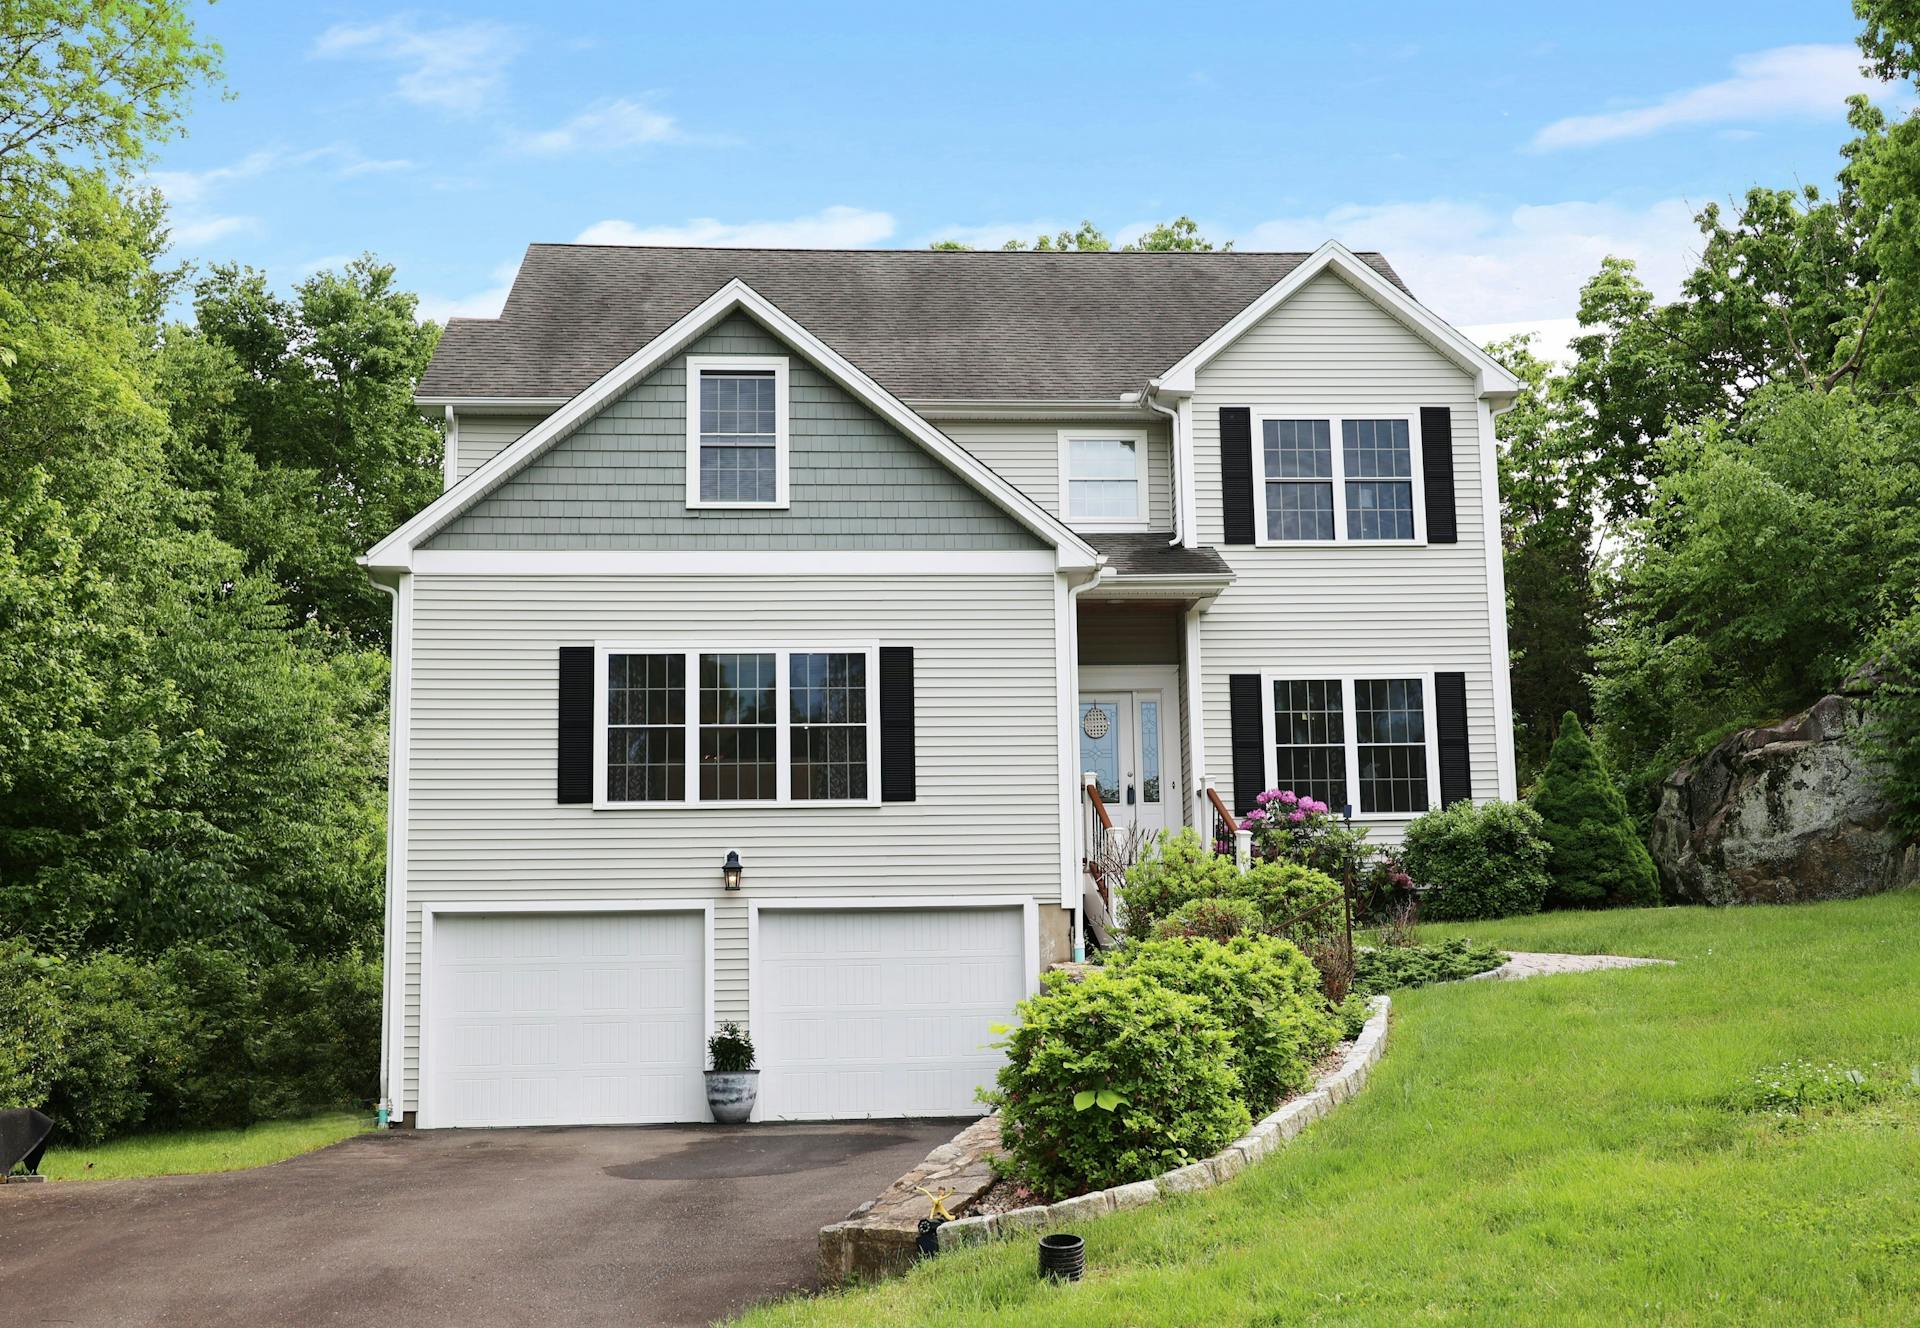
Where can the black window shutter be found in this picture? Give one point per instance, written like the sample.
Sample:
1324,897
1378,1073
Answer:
575,780
1436,466
1450,724
1249,740
1236,473
896,724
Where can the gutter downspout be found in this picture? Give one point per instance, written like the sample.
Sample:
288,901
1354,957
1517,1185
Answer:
386,956
1179,476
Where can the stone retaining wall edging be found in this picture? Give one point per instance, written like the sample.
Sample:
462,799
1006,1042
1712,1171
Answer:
1274,1131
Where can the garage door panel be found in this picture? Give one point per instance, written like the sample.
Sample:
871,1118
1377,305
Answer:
587,1018
883,1012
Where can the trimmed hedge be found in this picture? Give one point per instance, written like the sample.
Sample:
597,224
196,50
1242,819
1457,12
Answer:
1209,919
1484,861
1263,991
1183,871
1111,1079
194,1037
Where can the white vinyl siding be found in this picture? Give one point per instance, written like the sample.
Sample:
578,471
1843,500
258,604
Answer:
483,823
481,437
1026,453
1351,609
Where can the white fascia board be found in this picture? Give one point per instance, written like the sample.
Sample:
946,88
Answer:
1491,379
396,549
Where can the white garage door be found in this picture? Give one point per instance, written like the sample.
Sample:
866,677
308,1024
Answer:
883,1012
565,1019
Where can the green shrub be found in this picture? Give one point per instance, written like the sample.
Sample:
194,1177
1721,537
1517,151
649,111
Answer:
1598,860
1351,1015
202,1073
316,1042
30,1031
1296,902
1391,967
1178,870
1485,861
1890,734
1113,1079
1210,919
112,1012
1264,993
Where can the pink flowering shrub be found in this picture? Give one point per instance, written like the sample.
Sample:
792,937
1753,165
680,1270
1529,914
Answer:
1292,827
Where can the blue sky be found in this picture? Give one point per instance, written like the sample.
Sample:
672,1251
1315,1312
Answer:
1496,152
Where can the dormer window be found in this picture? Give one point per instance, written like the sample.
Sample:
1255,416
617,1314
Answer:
736,431
1103,479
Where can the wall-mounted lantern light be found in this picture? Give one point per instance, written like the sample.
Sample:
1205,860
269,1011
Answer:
731,871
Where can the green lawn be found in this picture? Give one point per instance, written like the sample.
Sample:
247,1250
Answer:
1553,1151
184,1152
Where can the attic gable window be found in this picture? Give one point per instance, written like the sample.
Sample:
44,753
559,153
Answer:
736,431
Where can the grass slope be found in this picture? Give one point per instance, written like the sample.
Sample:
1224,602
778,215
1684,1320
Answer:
1553,1151
186,1152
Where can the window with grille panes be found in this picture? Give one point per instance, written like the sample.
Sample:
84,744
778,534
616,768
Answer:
1390,736
1333,478
1361,742
1310,739
693,726
827,704
646,728
736,431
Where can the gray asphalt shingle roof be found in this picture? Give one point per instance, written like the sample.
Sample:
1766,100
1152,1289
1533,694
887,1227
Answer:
1151,555
924,324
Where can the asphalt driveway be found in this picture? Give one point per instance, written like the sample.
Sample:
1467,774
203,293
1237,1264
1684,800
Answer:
661,1225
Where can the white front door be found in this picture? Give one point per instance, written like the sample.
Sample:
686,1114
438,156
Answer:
1123,717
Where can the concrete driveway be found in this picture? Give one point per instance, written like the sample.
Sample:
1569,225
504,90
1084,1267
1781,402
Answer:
659,1225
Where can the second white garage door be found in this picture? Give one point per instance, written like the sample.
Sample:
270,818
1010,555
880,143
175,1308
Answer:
565,1019
883,1012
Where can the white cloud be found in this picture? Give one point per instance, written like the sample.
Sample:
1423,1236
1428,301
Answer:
621,123
1552,337
193,231
1477,265
349,161
479,304
1782,83
456,67
830,228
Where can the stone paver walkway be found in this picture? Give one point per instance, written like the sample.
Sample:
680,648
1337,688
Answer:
1524,964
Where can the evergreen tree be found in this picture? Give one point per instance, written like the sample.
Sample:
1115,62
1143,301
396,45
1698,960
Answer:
1598,859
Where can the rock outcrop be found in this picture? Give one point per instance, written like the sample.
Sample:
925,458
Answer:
1780,814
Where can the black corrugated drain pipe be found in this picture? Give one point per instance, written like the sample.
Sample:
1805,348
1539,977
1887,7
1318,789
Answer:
1063,1258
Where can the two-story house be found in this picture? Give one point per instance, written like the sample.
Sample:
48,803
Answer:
843,568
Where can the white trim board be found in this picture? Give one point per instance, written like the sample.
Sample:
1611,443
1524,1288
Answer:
397,549
423,1118
759,564
1491,378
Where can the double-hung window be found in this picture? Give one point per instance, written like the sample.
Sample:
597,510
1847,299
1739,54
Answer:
1103,478
1364,742
737,725
1328,478
736,431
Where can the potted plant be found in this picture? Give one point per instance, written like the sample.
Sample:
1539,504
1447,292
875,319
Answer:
732,1084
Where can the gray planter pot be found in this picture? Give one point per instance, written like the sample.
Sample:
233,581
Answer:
731,1094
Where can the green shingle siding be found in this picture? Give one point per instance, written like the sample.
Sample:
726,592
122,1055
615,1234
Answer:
619,480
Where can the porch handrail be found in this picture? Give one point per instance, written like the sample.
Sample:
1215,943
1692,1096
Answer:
1099,803
1220,809
1090,863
